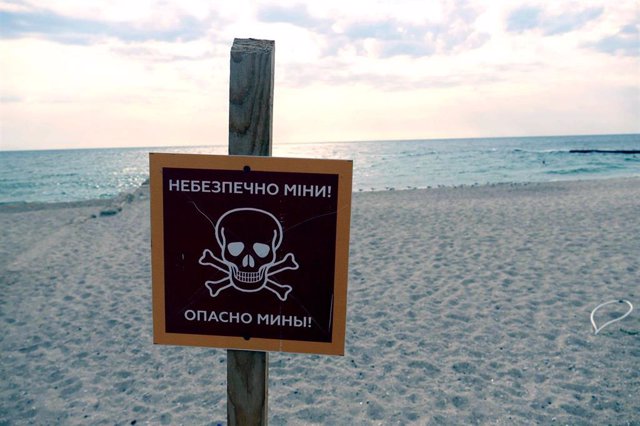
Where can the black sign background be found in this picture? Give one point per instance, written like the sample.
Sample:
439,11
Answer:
309,232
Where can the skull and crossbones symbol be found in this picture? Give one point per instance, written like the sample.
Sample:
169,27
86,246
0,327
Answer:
249,239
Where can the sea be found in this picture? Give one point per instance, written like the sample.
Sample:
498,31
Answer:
51,176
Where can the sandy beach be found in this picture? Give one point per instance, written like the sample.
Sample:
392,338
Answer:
466,306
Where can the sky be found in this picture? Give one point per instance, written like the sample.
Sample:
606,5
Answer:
115,73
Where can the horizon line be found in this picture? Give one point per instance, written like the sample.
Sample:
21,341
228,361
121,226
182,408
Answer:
324,142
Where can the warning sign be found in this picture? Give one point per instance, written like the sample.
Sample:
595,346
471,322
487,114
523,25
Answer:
250,252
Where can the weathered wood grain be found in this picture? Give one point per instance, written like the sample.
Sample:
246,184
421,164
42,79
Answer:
250,133
251,97
247,387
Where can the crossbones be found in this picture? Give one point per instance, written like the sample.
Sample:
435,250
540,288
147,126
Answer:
215,287
249,239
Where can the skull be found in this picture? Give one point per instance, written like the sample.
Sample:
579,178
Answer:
248,239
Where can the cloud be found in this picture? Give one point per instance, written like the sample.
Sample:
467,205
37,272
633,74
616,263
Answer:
338,73
568,22
68,30
392,38
626,42
153,54
384,37
395,38
523,19
9,99
407,47
385,30
533,18
297,15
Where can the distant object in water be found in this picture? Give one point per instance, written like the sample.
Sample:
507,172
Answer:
604,151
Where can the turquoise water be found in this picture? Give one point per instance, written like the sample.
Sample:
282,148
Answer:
73,175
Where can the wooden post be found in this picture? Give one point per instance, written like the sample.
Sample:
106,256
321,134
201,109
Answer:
250,131
251,97
247,387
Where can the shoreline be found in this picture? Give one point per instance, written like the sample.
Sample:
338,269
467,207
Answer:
467,305
124,197
116,202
